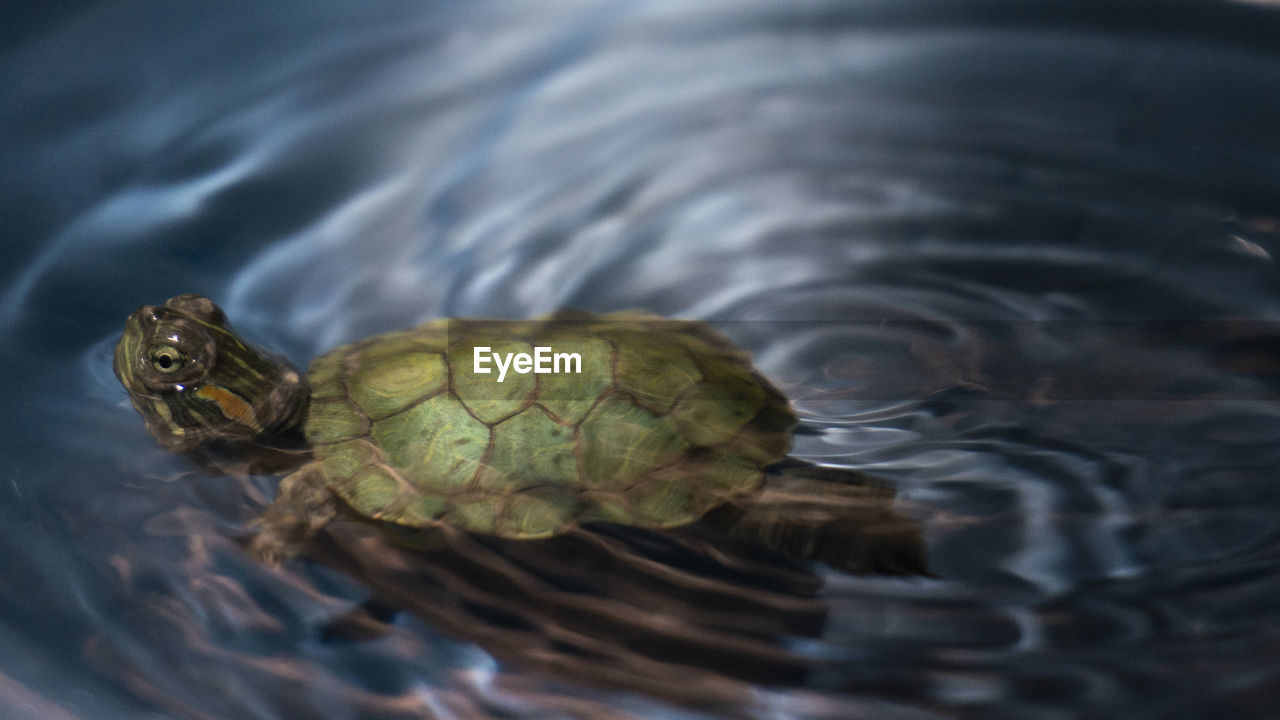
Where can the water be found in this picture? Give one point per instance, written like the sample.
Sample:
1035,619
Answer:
1016,257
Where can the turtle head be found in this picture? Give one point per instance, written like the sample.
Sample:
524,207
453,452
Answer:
203,390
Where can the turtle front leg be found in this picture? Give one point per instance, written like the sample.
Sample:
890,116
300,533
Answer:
302,506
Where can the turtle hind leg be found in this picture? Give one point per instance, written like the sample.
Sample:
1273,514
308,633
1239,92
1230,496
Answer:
837,516
302,506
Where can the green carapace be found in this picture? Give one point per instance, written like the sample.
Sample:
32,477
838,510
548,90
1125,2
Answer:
520,429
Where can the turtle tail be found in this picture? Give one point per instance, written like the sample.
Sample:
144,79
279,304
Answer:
840,517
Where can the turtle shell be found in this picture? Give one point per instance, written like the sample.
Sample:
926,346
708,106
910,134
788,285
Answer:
663,421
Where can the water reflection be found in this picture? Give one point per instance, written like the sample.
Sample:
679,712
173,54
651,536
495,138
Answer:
947,232
677,616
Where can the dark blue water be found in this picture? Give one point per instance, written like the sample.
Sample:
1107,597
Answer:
1016,257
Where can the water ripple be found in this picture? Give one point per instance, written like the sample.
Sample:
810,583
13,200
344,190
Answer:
1020,266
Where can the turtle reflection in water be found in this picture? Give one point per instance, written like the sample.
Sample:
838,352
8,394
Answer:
665,424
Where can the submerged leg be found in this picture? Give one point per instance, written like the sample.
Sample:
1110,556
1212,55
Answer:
302,506
841,517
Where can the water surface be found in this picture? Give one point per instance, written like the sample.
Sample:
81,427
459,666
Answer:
1017,258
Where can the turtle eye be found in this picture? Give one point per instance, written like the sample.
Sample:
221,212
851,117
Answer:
167,358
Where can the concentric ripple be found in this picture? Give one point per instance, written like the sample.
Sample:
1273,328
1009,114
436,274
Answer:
1017,258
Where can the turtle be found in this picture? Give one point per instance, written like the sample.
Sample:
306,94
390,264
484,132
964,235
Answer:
648,422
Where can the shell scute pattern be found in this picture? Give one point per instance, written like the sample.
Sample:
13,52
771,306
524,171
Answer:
333,420
570,396
665,421
490,401
390,384
622,441
539,447
434,444
654,370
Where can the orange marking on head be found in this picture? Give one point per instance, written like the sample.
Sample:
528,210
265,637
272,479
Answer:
232,405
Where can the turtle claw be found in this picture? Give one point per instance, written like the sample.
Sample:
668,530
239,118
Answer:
271,549
285,528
